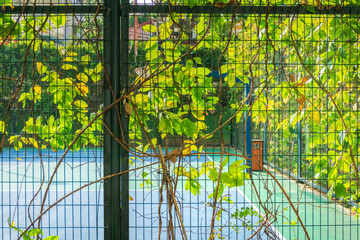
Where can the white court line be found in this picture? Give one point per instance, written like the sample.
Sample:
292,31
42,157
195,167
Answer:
258,211
10,168
253,206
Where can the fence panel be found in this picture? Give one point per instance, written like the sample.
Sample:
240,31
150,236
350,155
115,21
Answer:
148,120
51,89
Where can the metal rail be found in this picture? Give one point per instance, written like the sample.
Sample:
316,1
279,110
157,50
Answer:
43,9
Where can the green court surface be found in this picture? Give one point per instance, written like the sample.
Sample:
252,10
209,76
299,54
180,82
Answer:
323,218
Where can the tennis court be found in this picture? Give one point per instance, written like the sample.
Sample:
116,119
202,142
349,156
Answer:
20,181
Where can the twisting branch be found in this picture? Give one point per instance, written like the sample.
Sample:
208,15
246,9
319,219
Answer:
212,236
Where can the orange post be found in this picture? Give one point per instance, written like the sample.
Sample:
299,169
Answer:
257,155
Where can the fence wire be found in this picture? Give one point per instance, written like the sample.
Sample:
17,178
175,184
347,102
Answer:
51,87
179,120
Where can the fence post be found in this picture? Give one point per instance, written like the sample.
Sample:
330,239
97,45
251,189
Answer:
112,150
124,82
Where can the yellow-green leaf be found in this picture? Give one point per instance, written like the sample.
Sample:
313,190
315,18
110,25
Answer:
72,54
2,126
68,67
80,104
151,42
37,90
82,77
165,30
316,117
69,59
85,59
83,89
95,78
168,45
98,68
231,79
33,142
149,28
41,68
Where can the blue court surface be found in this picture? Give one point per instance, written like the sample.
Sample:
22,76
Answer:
196,215
81,215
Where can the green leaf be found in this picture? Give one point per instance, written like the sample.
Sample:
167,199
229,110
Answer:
95,78
236,171
231,79
189,128
310,8
344,165
330,192
226,160
197,60
333,174
340,190
187,185
342,136
55,21
202,71
220,192
189,64
150,55
165,125
191,3
193,186
213,174
227,180
18,145
52,238
34,232
85,59
176,123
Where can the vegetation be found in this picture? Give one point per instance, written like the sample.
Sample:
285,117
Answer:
176,89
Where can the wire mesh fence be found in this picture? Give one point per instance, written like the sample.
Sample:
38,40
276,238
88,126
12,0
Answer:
51,87
179,120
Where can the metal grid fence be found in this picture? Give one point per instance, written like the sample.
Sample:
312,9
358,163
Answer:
145,113
51,87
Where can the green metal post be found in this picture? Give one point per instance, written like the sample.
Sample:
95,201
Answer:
124,68
112,219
